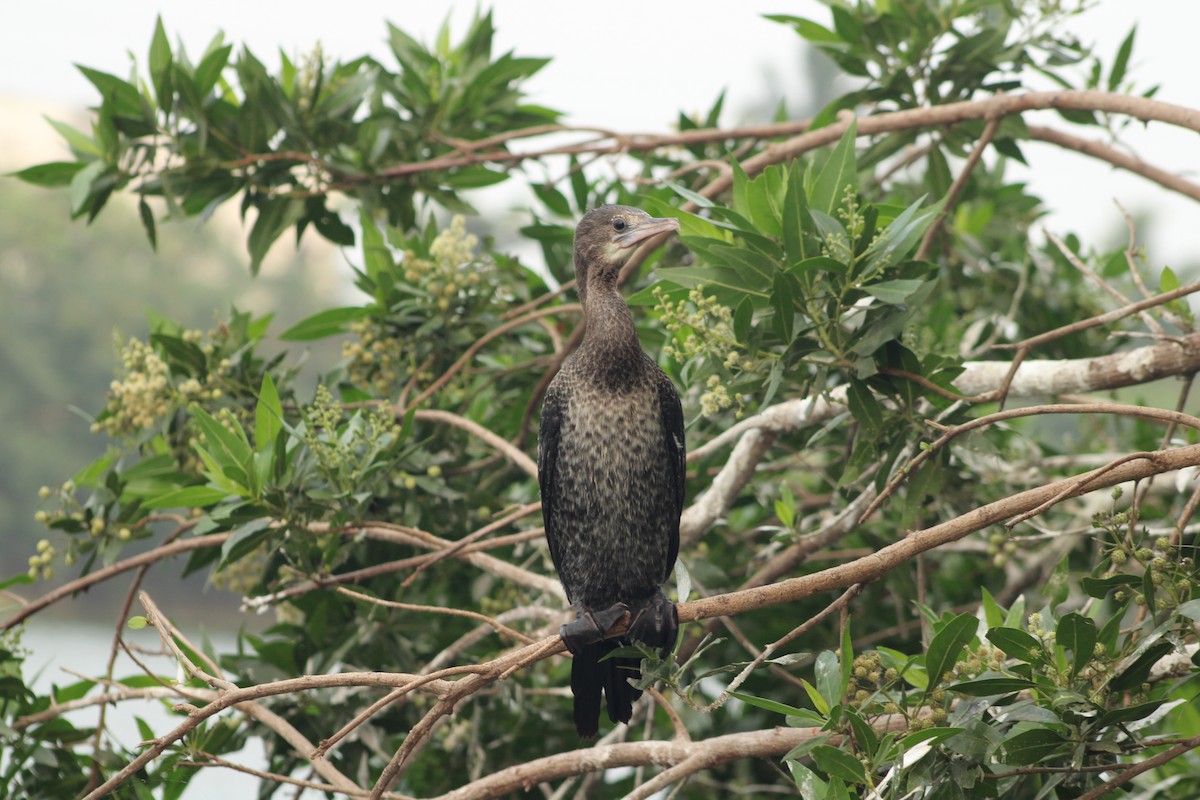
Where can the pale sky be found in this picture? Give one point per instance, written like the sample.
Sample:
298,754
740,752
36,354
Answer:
618,64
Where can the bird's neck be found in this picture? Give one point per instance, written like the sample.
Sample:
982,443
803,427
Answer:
609,323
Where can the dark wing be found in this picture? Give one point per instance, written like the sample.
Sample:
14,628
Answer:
672,425
548,437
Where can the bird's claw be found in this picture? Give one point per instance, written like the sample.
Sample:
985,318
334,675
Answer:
590,626
656,623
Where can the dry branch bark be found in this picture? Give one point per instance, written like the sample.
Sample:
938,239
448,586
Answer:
772,742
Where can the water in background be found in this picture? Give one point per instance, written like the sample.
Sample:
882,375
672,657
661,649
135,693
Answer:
83,648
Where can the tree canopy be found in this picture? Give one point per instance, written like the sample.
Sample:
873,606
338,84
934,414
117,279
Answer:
929,549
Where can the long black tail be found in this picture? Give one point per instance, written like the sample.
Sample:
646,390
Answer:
590,676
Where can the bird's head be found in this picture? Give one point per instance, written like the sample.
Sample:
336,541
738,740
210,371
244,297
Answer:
605,238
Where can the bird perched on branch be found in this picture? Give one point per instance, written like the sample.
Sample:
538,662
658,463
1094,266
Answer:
611,469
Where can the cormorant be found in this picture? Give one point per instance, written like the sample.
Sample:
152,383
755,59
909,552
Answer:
611,470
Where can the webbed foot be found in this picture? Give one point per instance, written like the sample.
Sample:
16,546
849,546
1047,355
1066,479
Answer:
590,626
656,623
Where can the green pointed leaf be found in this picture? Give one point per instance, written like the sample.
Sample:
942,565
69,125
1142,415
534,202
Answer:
986,687
816,698
268,416
947,645
795,215
1118,716
51,174
228,448
187,497
838,764
768,705
1016,644
829,677
148,222
160,65
81,185
245,539
1077,633
275,215
895,293
329,322
1100,587
1134,675
208,71
80,144
1032,746
839,173
1121,62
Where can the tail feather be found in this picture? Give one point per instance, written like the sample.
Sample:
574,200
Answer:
590,677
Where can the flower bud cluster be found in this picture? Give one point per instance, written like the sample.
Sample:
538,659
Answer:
147,391
381,358
702,329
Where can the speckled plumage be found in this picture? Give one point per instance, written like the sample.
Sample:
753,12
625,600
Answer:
611,468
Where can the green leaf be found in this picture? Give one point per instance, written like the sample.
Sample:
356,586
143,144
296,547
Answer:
229,448
816,698
947,645
160,65
80,144
687,194
187,497
839,172
552,199
829,677
864,735
329,322
894,293
208,71
795,215
1016,644
245,539
865,409
1168,282
275,215
785,307
711,278
1032,746
768,705
81,185
838,764
1134,675
1121,62
1190,609
932,735
268,415
1119,716
1077,633
993,615
986,687
50,174
148,222
121,98
135,623
807,783
1100,587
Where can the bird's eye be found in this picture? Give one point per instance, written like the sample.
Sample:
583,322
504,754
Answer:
618,224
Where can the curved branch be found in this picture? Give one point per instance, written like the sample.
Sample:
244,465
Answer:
876,565
772,742
999,106
513,454
1119,159
100,575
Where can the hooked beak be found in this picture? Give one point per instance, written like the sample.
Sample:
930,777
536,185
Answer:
644,229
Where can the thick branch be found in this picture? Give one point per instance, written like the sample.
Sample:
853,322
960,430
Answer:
773,742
